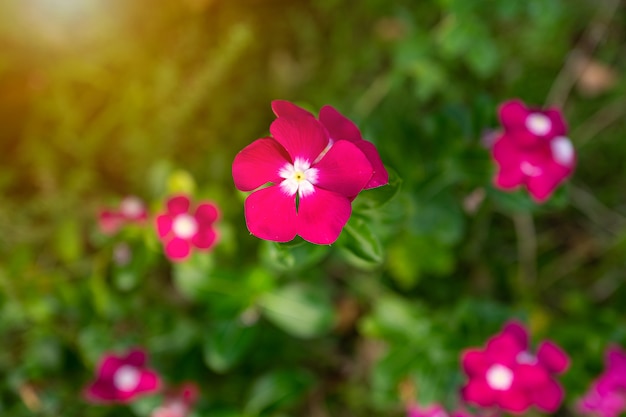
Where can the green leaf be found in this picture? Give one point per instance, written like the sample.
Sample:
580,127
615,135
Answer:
300,310
278,389
360,245
226,343
292,256
377,197
440,217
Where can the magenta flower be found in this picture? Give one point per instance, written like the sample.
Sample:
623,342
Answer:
181,228
607,395
121,379
506,375
532,150
340,127
178,402
313,179
131,210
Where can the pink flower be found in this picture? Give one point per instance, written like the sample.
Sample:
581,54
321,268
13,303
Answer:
506,375
528,126
123,378
313,179
131,210
180,228
532,150
340,127
179,402
607,395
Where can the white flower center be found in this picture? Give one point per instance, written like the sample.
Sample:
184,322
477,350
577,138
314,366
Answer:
131,207
184,226
530,169
538,124
499,377
298,177
562,150
126,378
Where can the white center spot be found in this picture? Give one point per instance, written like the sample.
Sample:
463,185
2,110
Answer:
132,207
538,124
299,177
184,226
499,377
530,169
562,150
126,378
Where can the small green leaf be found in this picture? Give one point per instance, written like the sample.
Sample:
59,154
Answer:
226,343
278,389
300,310
360,245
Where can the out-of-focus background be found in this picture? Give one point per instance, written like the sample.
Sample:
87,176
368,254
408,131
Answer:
100,99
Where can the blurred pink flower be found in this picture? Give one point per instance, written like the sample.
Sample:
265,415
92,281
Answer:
121,379
131,210
178,402
180,228
607,395
528,126
507,375
313,179
532,150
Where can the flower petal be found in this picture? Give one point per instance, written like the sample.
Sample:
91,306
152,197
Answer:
149,381
508,159
271,214
177,249
206,213
288,109
100,391
559,127
205,238
474,362
479,392
302,137
548,397
344,169
531,375
380,176
164,225
136,357
552,357
516,401
503,349
338,126
542,186
177,205
513,114
517,331
258,164
109,366
322,215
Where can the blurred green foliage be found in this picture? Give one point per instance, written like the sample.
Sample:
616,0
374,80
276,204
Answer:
102,99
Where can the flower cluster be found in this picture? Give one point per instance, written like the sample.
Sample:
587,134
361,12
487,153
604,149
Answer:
607,395
532,150
505,374
315,168
180,227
